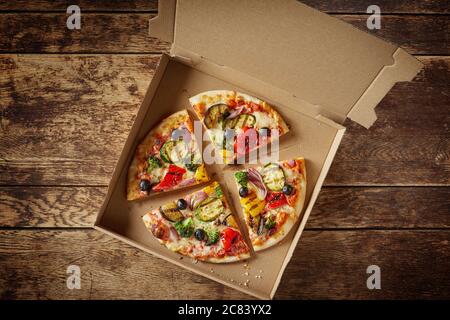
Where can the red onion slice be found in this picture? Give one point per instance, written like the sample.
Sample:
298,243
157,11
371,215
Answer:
236,112
291,163
256,179
197,198
186,182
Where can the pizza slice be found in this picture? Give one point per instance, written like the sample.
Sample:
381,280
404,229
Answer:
167,159
272,199
237,123
200,225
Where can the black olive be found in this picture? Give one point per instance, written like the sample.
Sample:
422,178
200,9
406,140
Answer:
181,204
264,131
200,234
287,189
144,185
243,191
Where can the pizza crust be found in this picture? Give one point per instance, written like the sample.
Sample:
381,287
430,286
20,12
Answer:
187,246
227,259
212,97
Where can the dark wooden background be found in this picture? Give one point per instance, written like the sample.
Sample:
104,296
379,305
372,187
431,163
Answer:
67,102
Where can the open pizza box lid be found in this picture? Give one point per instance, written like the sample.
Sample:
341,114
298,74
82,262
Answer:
340,70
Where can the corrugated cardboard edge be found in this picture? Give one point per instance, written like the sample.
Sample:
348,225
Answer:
326,166
192,269
162,26
404,68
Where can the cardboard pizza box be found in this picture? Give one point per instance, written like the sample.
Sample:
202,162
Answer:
315,69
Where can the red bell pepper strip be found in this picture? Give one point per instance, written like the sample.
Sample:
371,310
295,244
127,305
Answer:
275,200
229,237
171,179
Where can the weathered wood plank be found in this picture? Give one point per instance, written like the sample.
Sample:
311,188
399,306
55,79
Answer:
329,264
50,206
88,96
128,32
85,5
343,207
64,119
387,207
416,34
386,6
47,32
341,6
414,265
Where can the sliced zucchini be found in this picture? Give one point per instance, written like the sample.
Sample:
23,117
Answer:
209,209
214,115
170,212
174,151
242,120
165,150
273,177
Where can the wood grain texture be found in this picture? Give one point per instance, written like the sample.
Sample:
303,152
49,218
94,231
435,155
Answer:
332,265
65,118
128,32
85,5
336,208
34,263
386,6
328,264
81,107
50,207
47,32
355,6
417,34
387,207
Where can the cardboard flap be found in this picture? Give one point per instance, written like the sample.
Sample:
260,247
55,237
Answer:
405,68
313,56
162,26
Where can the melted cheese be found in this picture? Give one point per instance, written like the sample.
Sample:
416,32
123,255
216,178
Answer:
263,119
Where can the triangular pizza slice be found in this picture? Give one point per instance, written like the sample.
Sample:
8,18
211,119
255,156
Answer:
237,123
200,225
272,199
167,159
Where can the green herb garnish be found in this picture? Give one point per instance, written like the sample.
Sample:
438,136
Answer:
213,236
153,163
185,227
242,178
219,192
270,223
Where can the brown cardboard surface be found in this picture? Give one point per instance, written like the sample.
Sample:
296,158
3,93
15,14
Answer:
289,45
162,26
309,137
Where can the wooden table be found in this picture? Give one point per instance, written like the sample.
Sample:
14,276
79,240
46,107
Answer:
67,102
